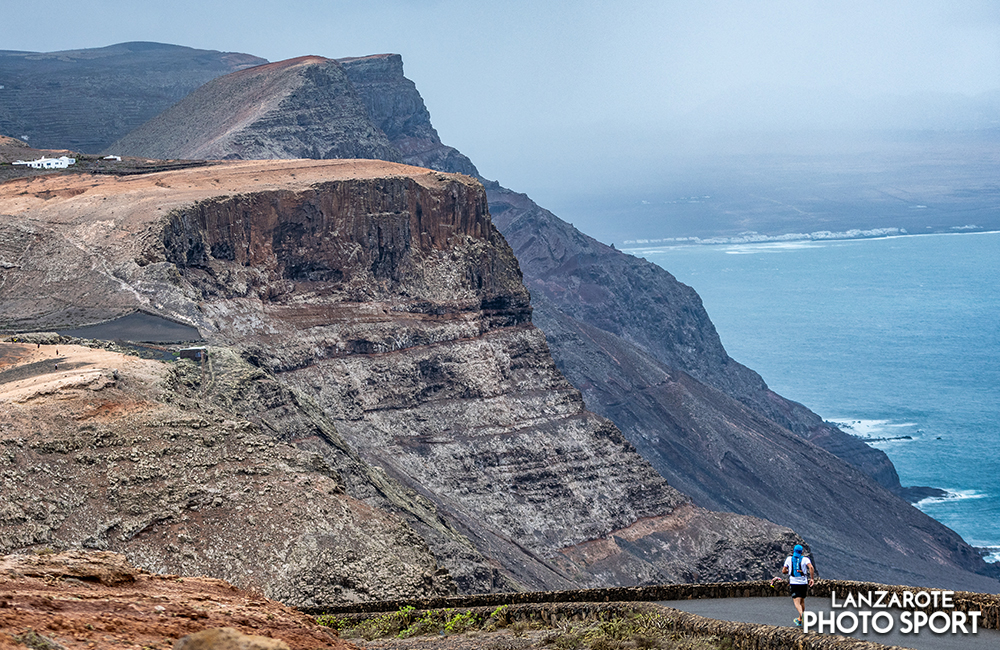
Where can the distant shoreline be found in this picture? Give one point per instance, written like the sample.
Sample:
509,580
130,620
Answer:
750,239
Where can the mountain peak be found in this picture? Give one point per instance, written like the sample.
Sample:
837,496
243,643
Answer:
309,59
303,107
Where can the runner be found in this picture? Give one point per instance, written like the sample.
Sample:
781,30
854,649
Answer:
801,576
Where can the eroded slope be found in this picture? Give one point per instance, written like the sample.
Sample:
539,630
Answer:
384,295
299,108
112,452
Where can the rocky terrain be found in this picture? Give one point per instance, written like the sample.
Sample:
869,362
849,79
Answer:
594,284
112,452
372,371
94,96
397,108
299,108
96,599
637,343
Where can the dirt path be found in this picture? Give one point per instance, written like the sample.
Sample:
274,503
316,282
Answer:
32,371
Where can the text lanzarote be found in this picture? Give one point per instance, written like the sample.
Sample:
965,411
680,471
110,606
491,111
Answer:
882,608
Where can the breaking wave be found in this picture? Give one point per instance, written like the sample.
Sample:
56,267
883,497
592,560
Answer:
757,238
952,495
876,430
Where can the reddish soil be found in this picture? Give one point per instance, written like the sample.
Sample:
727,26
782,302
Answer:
53,193
95,600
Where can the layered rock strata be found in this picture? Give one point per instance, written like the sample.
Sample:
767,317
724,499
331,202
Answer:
592,283
641,347
391,332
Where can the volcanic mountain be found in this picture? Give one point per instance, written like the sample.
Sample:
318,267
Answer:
84,100
299,108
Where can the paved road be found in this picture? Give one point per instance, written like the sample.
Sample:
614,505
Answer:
780,611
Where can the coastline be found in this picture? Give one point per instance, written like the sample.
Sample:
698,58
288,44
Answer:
838,307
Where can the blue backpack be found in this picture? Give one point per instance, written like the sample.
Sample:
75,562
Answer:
797,566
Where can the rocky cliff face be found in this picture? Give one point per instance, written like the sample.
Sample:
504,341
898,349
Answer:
724,454
382,356
93,97
594,284
643,351
646,306
396,106
300,108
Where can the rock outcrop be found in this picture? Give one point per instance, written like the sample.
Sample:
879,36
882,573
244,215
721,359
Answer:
106,451
84,100
396,106
395,373
82,600
299,108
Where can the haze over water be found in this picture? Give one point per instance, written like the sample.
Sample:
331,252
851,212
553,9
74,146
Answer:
894,338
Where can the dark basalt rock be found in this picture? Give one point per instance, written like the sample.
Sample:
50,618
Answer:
396,107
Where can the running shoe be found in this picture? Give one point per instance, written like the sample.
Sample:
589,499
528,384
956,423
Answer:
798,622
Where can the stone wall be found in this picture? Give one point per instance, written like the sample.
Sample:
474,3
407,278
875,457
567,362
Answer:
743,636
573,602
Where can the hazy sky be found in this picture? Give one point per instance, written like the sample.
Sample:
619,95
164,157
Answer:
545,94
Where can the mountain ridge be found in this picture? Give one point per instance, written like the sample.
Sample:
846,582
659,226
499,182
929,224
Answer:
307,100
95,96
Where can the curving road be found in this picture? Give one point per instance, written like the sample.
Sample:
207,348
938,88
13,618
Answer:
780,611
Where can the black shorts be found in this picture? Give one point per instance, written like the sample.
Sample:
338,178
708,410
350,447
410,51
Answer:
798,591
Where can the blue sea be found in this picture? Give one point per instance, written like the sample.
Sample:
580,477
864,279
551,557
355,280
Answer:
895,338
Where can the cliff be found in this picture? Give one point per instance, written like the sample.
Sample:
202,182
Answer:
396,106
645,306
93,97
643,351
372,371
594,284
299,108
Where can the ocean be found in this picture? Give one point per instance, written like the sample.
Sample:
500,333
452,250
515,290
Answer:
896,339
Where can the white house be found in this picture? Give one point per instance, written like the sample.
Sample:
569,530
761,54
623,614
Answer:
62,162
